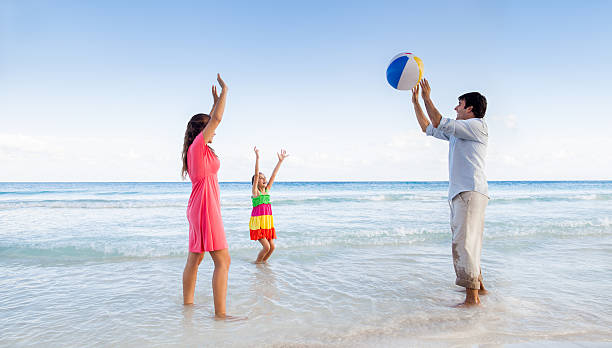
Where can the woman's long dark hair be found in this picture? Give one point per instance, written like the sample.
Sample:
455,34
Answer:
195,126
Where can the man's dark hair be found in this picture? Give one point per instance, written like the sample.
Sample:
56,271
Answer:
477,101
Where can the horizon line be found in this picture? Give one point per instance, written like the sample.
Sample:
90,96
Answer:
291,182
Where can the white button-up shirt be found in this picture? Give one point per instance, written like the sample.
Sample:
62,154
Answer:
466,153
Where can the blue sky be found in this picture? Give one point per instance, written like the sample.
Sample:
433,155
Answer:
102,91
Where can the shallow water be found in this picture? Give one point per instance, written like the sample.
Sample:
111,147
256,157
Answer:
357,264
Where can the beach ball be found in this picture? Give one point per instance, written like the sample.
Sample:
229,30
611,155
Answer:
404,71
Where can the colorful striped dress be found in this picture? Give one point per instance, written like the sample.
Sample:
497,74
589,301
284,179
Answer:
261,224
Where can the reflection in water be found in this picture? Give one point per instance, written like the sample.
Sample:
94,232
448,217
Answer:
264,284
188,327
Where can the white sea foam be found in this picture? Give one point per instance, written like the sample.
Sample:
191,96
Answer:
91,204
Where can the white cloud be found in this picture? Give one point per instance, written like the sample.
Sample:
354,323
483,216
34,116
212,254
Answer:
13,146
563,157
52,158
408,155
510,121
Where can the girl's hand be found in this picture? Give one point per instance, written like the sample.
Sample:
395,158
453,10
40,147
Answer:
215,95
256,151
282,155
415,94
221,83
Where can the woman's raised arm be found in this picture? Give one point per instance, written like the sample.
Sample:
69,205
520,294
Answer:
217,112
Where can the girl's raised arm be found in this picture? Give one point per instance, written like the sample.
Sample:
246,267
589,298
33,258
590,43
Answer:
217,111
281,157
256,177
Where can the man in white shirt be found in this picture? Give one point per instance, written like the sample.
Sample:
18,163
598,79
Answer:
468,190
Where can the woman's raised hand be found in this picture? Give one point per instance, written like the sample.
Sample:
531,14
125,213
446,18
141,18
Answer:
221,82
282,155
215,95
256,151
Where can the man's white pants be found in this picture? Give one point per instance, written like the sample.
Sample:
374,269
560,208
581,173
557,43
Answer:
467,225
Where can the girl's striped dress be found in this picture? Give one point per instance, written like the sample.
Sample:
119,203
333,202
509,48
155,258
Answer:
261,224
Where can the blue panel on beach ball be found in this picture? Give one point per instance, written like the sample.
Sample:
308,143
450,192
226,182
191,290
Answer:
395,69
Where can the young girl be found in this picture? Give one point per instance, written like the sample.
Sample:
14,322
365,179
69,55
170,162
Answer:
261,224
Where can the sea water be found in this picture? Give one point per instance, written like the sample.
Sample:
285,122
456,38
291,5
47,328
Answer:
356,264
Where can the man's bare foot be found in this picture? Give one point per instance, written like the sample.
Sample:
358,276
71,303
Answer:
481,291
259,262
471,299
466,305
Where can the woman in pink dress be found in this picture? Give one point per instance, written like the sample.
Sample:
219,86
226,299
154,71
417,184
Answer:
206,233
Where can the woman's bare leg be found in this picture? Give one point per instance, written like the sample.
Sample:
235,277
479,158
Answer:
272,247
222,261
190,275
264,251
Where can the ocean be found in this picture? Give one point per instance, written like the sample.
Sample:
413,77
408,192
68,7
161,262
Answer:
357,264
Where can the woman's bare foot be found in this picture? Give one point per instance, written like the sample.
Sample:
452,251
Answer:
225,317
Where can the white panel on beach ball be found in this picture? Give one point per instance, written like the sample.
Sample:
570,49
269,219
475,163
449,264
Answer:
404,71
